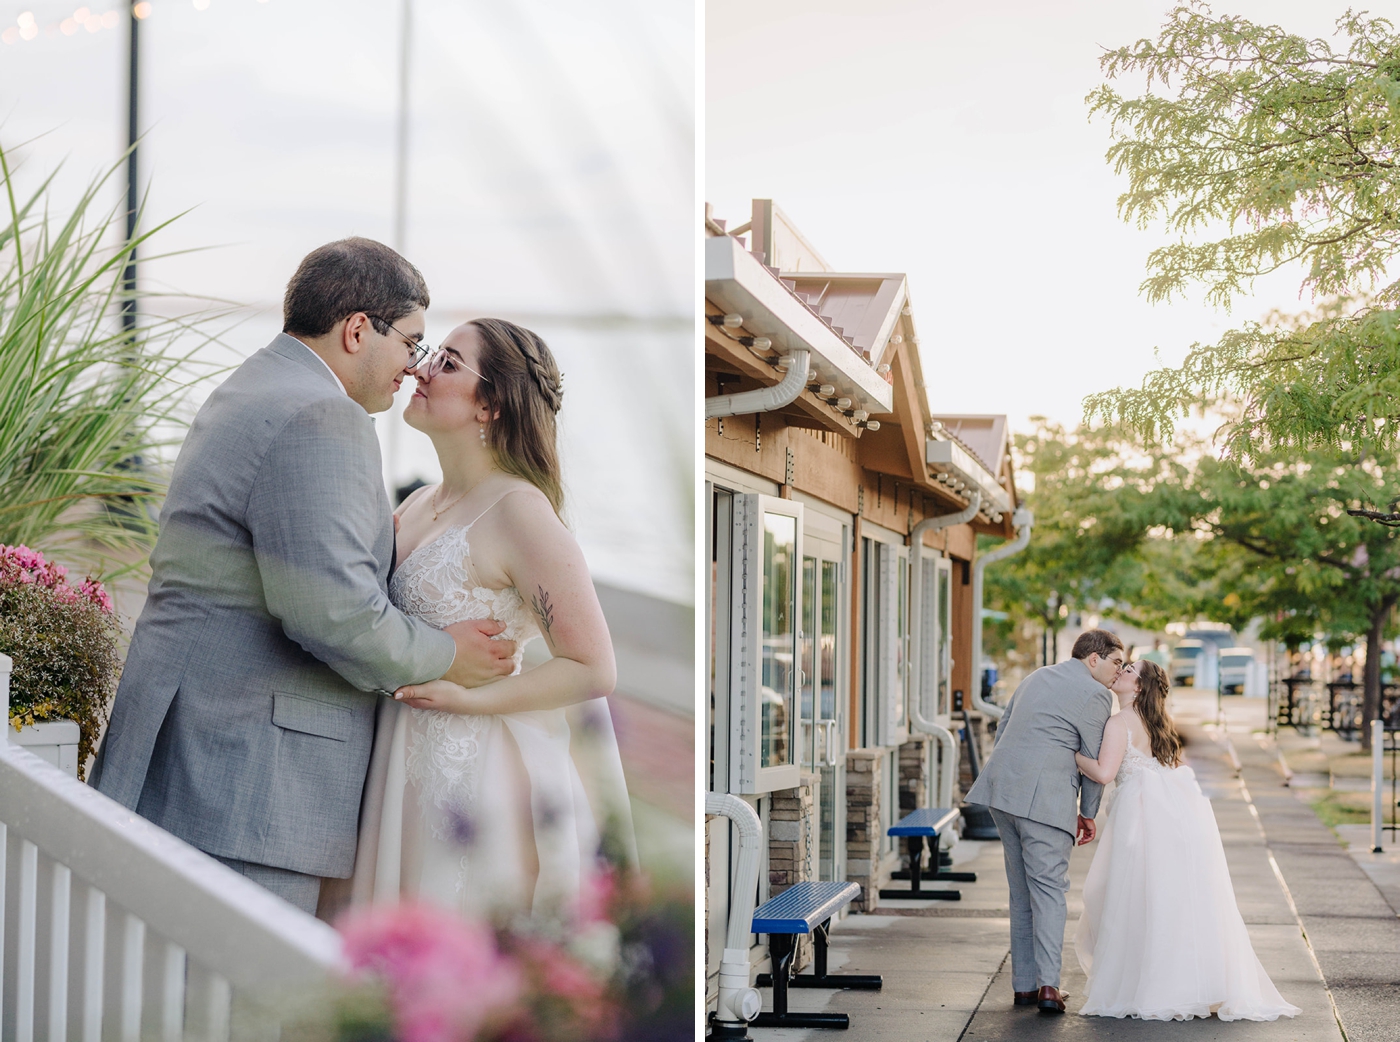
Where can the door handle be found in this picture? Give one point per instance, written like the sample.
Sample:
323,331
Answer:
830,726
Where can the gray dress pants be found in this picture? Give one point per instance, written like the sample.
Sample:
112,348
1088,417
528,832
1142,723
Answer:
293,887
1037,870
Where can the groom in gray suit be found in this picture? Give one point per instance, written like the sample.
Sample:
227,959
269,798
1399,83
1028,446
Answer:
245,714
1042,805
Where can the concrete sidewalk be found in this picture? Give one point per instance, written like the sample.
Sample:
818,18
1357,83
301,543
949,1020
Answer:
947,969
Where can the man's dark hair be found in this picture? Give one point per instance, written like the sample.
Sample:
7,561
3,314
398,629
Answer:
340,278
1096,642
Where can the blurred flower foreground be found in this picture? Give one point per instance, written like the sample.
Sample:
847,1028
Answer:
619,967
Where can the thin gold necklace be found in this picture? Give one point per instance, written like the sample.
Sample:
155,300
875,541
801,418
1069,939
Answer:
440,510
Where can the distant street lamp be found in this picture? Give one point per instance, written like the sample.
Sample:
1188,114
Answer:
135,13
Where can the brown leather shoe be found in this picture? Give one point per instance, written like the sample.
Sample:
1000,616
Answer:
1051,1000
1025,998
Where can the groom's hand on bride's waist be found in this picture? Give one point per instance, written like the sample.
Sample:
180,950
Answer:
481,658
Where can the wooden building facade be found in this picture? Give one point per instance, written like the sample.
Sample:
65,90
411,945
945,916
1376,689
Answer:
839,653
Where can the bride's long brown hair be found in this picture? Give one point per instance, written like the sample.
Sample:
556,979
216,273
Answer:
1151,706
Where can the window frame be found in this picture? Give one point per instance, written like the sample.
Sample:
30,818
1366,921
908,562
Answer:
747,775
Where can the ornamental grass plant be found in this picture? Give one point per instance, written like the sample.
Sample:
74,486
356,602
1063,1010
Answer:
87,406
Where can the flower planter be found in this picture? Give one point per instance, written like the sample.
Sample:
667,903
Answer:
53,740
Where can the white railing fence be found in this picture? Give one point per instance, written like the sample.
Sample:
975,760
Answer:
113,929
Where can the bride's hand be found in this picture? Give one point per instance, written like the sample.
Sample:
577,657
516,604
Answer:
442,695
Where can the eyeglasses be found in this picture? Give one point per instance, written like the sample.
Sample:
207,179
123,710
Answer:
441,360
418,350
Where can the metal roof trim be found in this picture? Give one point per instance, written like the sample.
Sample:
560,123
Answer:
737,282
951,457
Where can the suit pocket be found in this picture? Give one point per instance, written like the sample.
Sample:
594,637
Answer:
311,716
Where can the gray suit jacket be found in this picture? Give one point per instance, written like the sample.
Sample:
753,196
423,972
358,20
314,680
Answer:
245,714
1057,711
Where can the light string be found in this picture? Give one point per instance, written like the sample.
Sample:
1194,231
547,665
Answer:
26,26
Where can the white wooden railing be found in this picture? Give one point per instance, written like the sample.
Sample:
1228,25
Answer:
113,929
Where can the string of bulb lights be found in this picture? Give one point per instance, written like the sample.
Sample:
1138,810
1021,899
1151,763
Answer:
27,27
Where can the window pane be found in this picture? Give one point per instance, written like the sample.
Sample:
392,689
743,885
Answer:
945,638
808,644
827,671
779,593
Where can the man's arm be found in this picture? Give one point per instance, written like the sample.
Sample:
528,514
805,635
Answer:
1091,727
312,517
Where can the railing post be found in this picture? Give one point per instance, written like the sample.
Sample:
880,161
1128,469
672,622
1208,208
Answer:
1377,782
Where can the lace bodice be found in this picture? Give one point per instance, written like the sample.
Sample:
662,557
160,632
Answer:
1135,761
438,584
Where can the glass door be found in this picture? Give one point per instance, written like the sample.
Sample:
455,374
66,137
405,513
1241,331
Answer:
826,596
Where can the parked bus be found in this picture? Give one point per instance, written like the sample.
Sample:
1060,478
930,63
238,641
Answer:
1235,664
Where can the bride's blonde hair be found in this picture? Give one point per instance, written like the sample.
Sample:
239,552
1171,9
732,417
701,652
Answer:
1151,706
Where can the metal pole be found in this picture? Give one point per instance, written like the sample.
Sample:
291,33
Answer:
401,136
1377,782
133,131
400,225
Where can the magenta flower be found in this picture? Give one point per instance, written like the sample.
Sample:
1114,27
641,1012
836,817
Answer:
446,977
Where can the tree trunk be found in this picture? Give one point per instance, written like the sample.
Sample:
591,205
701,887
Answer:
1371,697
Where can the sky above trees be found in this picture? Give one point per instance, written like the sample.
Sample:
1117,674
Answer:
951,142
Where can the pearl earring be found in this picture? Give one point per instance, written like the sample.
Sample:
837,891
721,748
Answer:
481,433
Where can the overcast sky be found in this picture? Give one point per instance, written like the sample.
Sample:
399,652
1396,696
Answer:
950,141
552,181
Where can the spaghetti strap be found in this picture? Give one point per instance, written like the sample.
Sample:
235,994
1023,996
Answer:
507,492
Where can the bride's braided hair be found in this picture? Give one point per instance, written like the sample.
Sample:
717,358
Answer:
1151,706
523,390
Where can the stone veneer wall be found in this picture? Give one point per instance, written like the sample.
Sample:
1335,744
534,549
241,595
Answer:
913,781
865,784
792,830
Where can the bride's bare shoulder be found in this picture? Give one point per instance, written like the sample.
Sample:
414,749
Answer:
1116,723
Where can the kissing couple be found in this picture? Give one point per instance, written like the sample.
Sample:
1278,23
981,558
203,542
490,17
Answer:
327,695
1161,937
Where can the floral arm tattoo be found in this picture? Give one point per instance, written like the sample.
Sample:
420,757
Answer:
544,611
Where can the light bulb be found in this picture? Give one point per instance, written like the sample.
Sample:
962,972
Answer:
142,10
111,19
733,321
883,368
68,27
826,390
762,343
872,425
25,20
81,14
860,416
843,403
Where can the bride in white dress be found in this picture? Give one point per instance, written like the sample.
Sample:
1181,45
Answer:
1161,937
475,799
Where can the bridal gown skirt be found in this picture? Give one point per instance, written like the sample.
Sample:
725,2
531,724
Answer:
489,816
1161,937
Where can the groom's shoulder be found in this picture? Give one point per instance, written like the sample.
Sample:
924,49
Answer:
270,389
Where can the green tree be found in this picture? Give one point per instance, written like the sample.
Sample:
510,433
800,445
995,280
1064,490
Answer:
1260,150
1287,552
1098,544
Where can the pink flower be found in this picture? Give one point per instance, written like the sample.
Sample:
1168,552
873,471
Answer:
446,977
596,896
94,591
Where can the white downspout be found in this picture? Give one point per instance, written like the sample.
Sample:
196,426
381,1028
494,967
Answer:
1024,521
764,399
738,1002
916,708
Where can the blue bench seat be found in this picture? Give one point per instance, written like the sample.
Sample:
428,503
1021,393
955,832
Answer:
919,827
805,908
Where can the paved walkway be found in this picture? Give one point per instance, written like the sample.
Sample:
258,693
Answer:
947,969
